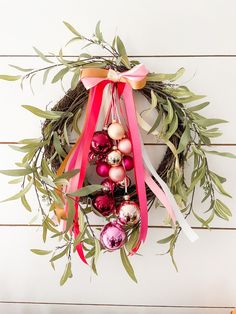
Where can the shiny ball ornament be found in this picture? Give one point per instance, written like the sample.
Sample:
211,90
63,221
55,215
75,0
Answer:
102,169
95,158
101,142
114,158
117,174
128,213
126,182
104,203
116,131
112,236
108,185
128,163
125,146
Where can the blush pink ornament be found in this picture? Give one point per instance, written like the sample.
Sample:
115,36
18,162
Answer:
102,169
117,174
101,143
116,131
112,236
125,146
108,185
104,203
128,163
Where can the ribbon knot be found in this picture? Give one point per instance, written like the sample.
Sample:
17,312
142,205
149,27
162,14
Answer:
113,76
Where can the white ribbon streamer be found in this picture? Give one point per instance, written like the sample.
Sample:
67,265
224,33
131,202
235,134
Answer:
191,235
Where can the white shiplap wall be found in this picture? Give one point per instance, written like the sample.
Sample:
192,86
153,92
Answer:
198,35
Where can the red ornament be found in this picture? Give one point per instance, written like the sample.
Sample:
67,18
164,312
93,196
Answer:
95,158
108,185
112,236
128,163
102,169
101,142
104,203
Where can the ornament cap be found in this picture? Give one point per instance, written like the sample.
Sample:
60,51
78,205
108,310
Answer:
126,197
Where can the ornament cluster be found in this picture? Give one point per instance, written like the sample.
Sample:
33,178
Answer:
111,151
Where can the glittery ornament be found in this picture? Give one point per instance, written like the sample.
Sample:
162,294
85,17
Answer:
101,142
128,212
116,131
104,203
112,236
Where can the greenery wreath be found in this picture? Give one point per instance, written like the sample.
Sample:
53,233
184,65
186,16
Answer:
186,133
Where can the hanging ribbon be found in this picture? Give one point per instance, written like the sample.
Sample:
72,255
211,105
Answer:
96,80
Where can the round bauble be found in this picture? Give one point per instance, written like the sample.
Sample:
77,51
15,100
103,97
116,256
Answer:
104,203
94,158
125,146
124,183
114,158
108,185
117,174
102,169
128,163
112,236
116,131
128,213
101,142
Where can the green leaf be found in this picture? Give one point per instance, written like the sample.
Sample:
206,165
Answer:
51,115
157,122
86,190
126,263
75,79
97,250
57,145
122,51
71,214
184,140
25,203
17,172
170,114
40,252
20,69
223,154
41,55
67,175
133,239
15,181
186,100
61,254
166,240
21,193
222,210
72,29
158,77
172,127
60,75
67,274
45,75
98,32
80,236
9,77
199,107
209,122
218,184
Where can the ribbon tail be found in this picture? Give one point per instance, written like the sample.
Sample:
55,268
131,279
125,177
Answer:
191,235
138,161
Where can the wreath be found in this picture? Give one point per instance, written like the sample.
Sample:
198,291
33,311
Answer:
127,184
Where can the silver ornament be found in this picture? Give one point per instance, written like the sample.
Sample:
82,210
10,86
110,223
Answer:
128,213
114,158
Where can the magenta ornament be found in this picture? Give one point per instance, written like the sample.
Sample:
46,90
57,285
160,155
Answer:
125,146
128,213
128,163
112,236
102,169
108,185
117,174
104,203
101,142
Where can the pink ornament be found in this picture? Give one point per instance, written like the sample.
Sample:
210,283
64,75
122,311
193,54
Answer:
128,213
101,143
117,174
104,203
128,163
112,236
125,146
102,169
108,185
126,182
116,131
